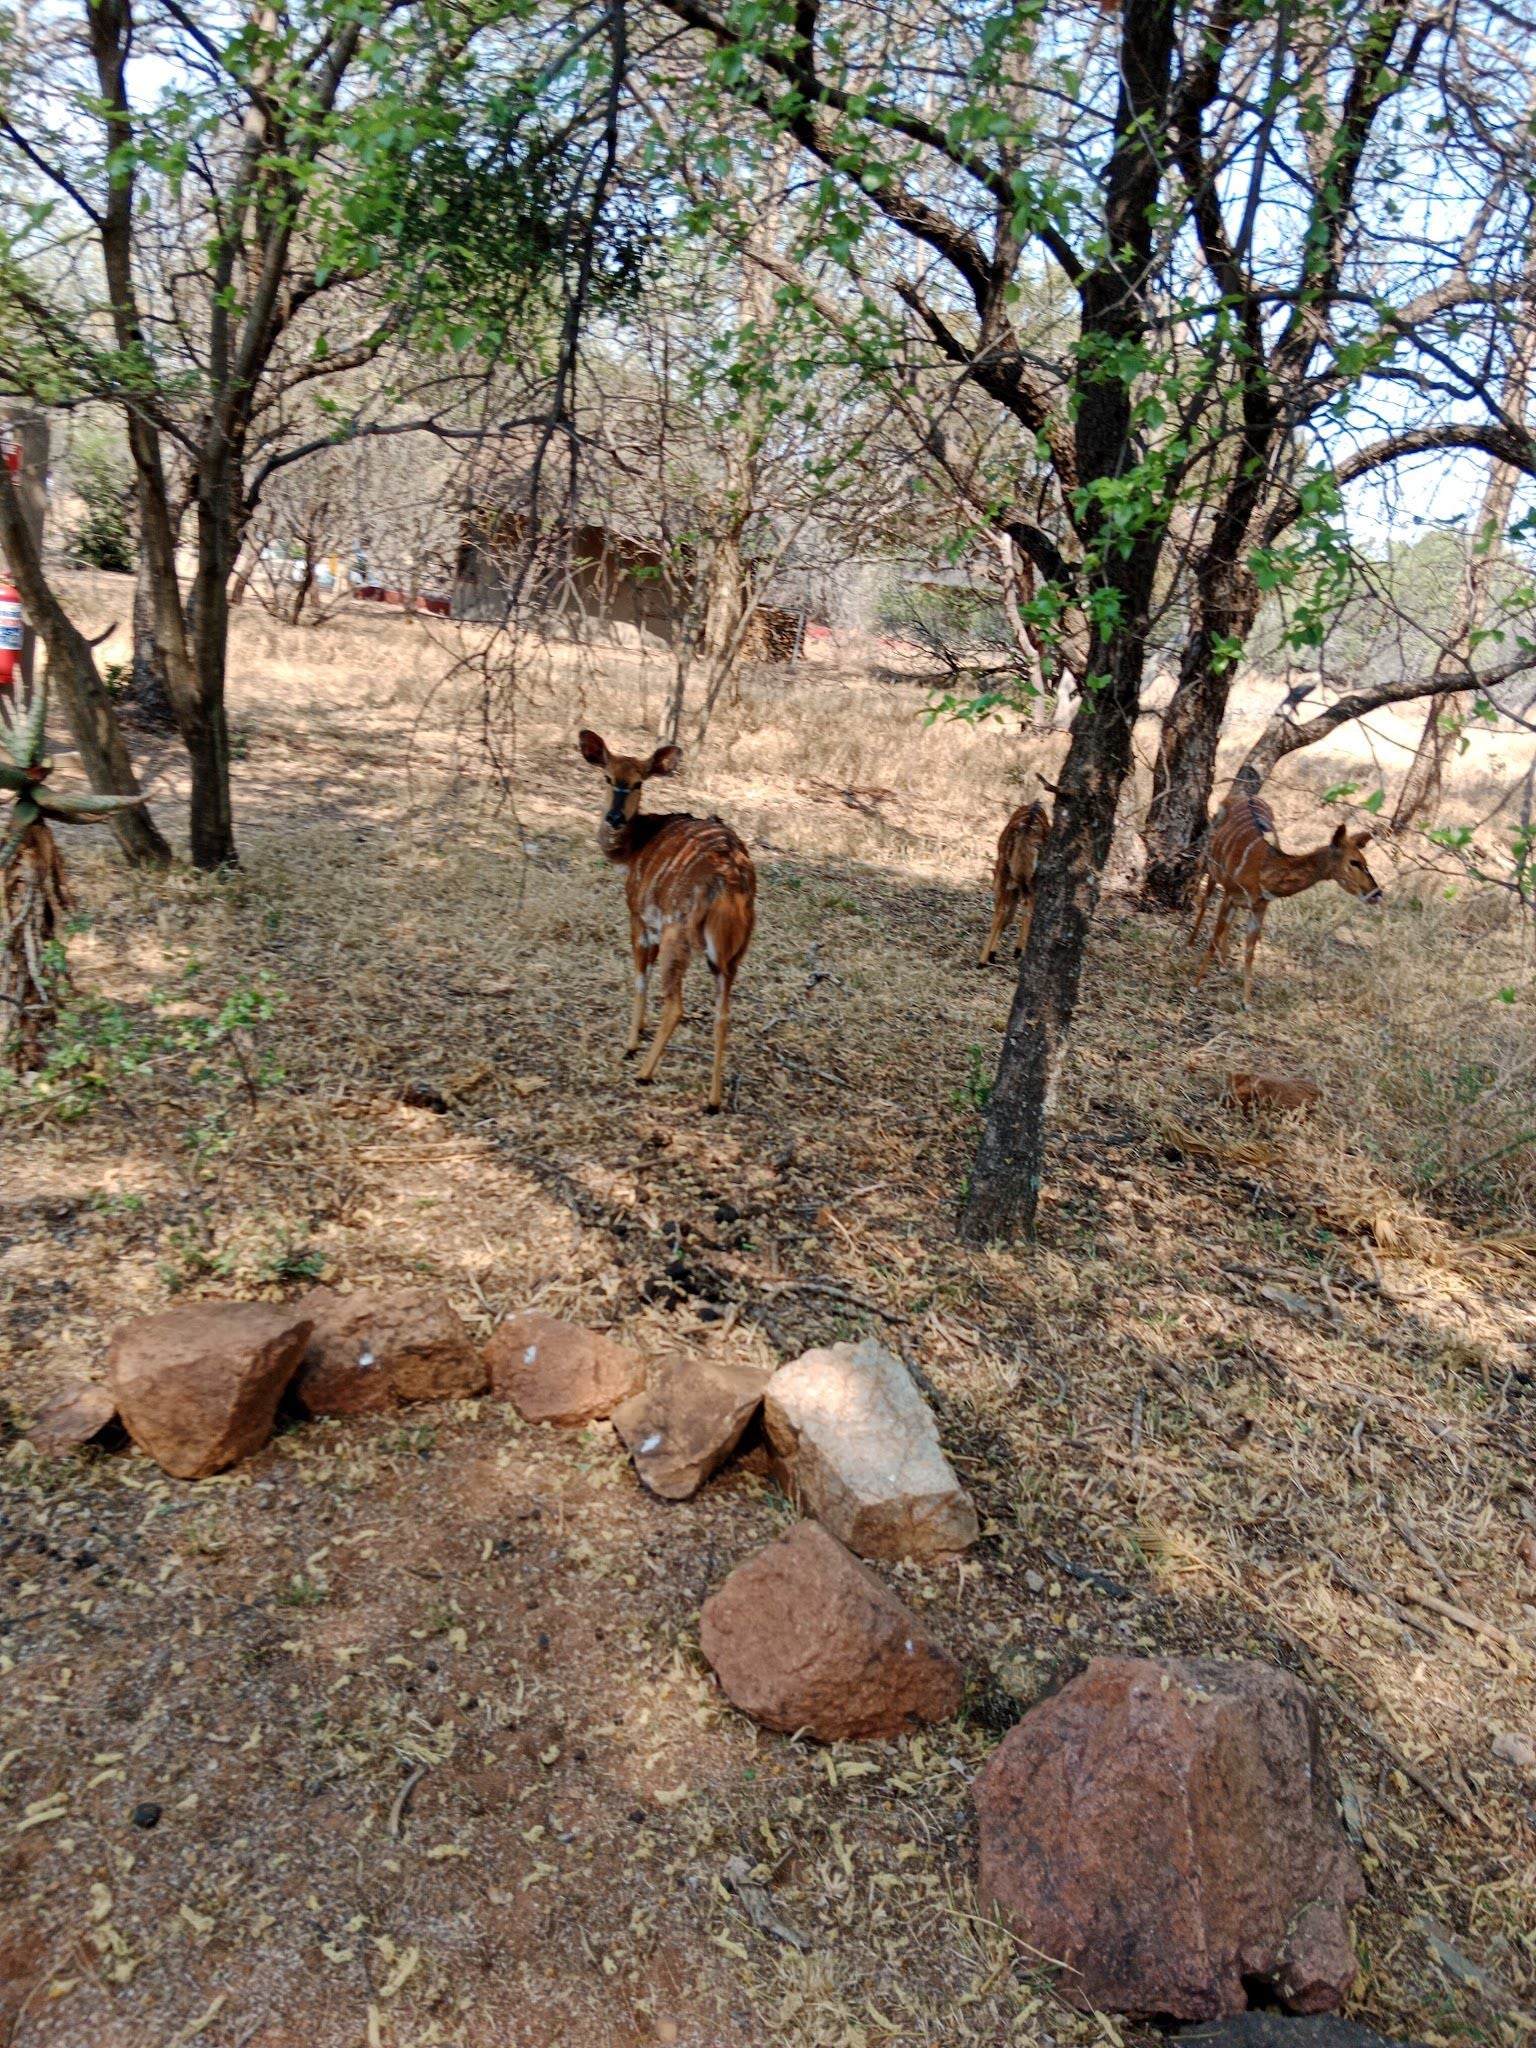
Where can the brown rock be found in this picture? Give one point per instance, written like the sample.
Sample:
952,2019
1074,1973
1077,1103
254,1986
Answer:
370,1350
688,1421
558,1372
77,1416
1253,1092
197,1387
1165,1829
804,1636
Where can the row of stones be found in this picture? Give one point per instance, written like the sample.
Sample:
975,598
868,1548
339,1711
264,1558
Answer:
1162,1829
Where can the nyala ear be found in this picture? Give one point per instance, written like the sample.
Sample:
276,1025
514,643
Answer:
1363,838
665,761
594,748
1339,836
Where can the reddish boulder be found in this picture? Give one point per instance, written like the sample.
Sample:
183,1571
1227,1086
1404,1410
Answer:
77,1416
1253,1092
558,1372
370,1350
688,1421
803,1636
1165,1829
198,1387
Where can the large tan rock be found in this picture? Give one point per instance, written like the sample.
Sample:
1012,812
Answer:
862,1453
1165,1829
688,1421
198,1387
803,1636
552,1371
376,1349
76,1416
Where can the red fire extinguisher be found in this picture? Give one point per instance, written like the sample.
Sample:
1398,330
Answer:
12,625
11,632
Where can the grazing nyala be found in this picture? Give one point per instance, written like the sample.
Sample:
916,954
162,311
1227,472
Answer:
1013,876
690,886
1245,865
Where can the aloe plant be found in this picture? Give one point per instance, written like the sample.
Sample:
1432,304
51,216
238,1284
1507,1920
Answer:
34,894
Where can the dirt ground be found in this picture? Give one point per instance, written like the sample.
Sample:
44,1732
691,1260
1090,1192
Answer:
420,1698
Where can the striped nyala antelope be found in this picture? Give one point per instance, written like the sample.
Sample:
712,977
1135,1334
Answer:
690,886
1013,876
1243,864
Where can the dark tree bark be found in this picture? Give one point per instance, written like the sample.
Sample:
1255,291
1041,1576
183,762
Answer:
1005,1181
1184,771
72,672
151,695
1004,1189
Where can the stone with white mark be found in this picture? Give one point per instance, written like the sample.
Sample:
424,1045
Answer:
688,1421
861,1452
554,1371
375,1349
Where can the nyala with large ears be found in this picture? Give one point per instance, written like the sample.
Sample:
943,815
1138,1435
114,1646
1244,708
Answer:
1244,865
691,888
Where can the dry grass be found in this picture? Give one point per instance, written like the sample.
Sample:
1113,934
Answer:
1263,1388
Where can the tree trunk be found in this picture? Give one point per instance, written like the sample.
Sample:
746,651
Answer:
1005,1181
1018,579
1184,773
150,696
1420,797
207,734
72,671
1010,1161
725,594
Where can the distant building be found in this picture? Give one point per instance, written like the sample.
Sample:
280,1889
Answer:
595,582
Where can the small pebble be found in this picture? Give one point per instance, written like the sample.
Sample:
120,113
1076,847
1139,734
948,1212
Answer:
146,1815
1034,1582
1518,1750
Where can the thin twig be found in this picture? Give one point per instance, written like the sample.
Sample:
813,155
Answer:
1424,1554
402,1797
836,1293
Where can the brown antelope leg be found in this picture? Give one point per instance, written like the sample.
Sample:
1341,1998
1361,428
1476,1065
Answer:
1250,947
1218,933
723,980
1026,919
645,960
1228,931
671,1017
674,965
1207,890
1000,916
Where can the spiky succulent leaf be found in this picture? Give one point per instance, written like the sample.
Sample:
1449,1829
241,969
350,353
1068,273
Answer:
78,810
24,814
25,740
14,778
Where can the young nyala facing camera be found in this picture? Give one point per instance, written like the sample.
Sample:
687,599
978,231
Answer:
690,886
